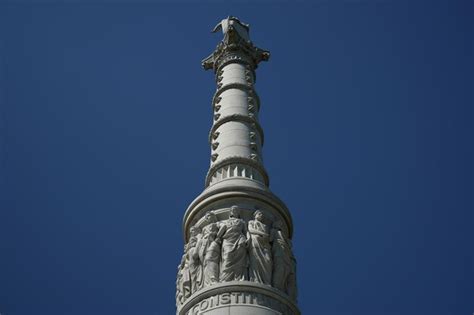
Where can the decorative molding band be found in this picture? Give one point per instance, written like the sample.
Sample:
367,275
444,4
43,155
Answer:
232,58
237,160
236,117
238,286
223,193
237,48
247,88
235,170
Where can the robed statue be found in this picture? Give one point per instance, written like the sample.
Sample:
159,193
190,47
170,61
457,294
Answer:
234,248
284,263
260,252
183,280
195,267
209,250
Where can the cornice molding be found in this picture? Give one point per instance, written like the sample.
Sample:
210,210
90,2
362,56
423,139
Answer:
236,117
213,195
245,87
237,160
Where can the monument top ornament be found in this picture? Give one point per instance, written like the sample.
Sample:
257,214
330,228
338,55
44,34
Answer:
238,257
236,38
233,23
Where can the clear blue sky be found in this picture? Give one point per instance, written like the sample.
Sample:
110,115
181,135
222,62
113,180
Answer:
104,115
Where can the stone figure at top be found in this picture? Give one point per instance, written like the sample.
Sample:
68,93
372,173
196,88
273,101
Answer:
260,252
236,37
230,24
234,260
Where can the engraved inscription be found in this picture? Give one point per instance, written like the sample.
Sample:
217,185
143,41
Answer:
238,298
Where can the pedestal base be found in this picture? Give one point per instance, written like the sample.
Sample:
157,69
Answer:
239,298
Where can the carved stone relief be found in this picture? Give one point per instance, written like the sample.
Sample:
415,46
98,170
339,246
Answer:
183,280
195,267
209,250
260,257
231,249
234,260
284,272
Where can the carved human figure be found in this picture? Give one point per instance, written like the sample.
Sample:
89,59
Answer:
282,257
183,280
209,250
179,294
195,267
291,288
179,283
234,249
260,252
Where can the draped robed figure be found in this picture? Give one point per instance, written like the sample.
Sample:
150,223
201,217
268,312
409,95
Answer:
260,252
209,250
195,267
234,259
284,263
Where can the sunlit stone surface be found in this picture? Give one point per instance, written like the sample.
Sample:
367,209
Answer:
238,256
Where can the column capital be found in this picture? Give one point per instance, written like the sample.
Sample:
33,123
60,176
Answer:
236,46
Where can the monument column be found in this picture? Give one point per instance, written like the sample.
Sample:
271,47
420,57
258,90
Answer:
238,255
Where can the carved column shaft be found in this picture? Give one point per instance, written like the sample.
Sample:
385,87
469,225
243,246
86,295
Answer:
236,135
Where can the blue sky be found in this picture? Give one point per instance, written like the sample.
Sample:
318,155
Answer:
104,117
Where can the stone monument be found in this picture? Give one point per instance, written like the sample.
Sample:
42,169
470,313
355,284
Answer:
238,257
